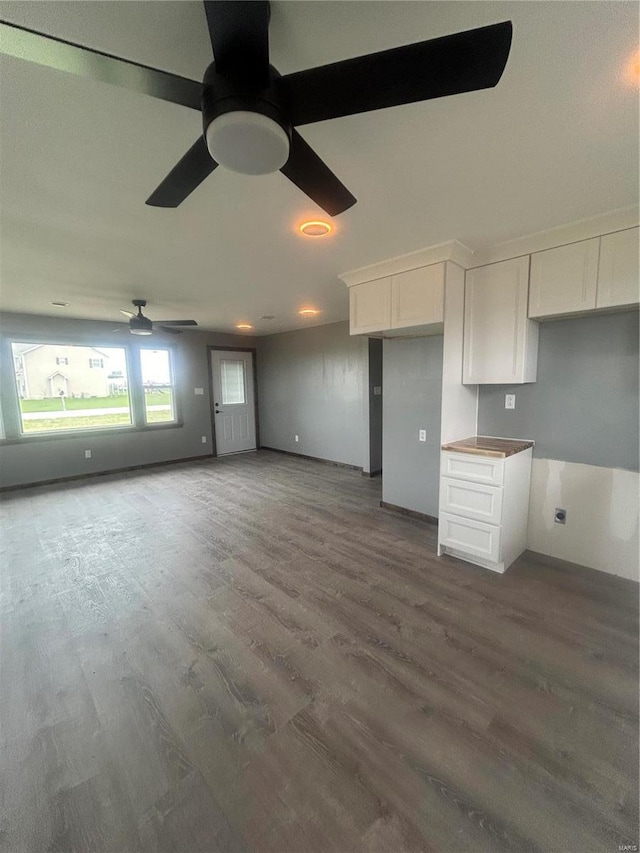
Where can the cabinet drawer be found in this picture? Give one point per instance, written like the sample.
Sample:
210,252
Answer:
472,500
469,536
475,469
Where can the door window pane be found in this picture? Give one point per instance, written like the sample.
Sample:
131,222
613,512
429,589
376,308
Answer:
65,387
157,382
232,380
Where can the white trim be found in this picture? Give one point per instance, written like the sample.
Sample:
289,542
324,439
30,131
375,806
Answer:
585,229
452,250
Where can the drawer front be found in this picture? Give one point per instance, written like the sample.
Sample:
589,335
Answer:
475,469
469,536
473,500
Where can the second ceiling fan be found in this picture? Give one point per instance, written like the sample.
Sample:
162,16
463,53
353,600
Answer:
250,112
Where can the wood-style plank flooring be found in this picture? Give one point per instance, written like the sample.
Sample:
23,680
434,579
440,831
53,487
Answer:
248,654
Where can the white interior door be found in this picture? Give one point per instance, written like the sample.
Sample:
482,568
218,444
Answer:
234,402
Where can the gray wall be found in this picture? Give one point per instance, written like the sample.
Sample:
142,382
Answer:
312,383
375,406
51,458
412,401
584,406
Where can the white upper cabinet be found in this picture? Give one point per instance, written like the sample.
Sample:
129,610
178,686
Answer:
564,280
370,306
500,343
618,272
417,297
413,299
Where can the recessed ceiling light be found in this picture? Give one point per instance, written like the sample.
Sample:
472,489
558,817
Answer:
60,304
315,228
633,69
308,312
243,326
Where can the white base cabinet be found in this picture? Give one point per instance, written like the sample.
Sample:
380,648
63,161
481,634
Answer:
484,507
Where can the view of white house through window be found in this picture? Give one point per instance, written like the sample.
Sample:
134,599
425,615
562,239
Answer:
232,375
157,382
63,387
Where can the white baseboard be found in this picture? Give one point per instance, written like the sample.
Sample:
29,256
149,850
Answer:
602,505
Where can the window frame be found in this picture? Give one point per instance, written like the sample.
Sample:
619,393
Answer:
10,400
174,395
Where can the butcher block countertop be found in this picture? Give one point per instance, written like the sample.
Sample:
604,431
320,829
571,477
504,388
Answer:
482,445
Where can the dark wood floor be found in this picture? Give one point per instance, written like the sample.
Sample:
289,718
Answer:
249,654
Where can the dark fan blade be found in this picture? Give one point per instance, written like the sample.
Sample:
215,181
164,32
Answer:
179,322
307,171
170,330
127,313
182,180
239,31
85,62
463,62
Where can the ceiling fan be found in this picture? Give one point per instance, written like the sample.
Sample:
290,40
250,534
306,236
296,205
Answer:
250,112
141,325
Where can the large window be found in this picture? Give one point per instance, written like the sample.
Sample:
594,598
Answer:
67,387
157,382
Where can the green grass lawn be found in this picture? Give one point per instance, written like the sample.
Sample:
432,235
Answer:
54,404
90,422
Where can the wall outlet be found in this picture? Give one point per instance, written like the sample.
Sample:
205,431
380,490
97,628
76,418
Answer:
198,392
87,454
509,401
422,435
204,439
560,516
377,390
296,438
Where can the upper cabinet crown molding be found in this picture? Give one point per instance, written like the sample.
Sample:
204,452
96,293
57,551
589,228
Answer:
606,223
452,250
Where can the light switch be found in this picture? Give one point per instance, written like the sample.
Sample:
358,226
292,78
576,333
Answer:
377,390
198,391
87,454
422,435
509,401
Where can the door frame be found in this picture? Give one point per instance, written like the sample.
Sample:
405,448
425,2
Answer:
254,361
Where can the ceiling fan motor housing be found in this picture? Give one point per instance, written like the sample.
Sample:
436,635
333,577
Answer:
245,126
140,325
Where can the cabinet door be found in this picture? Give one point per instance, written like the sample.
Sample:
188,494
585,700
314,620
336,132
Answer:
500,343
618,271
417,297
563,280
370,306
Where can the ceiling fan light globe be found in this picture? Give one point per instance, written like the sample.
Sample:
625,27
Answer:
140,331
248,142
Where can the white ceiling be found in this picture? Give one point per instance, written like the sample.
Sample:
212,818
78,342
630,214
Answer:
556,141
